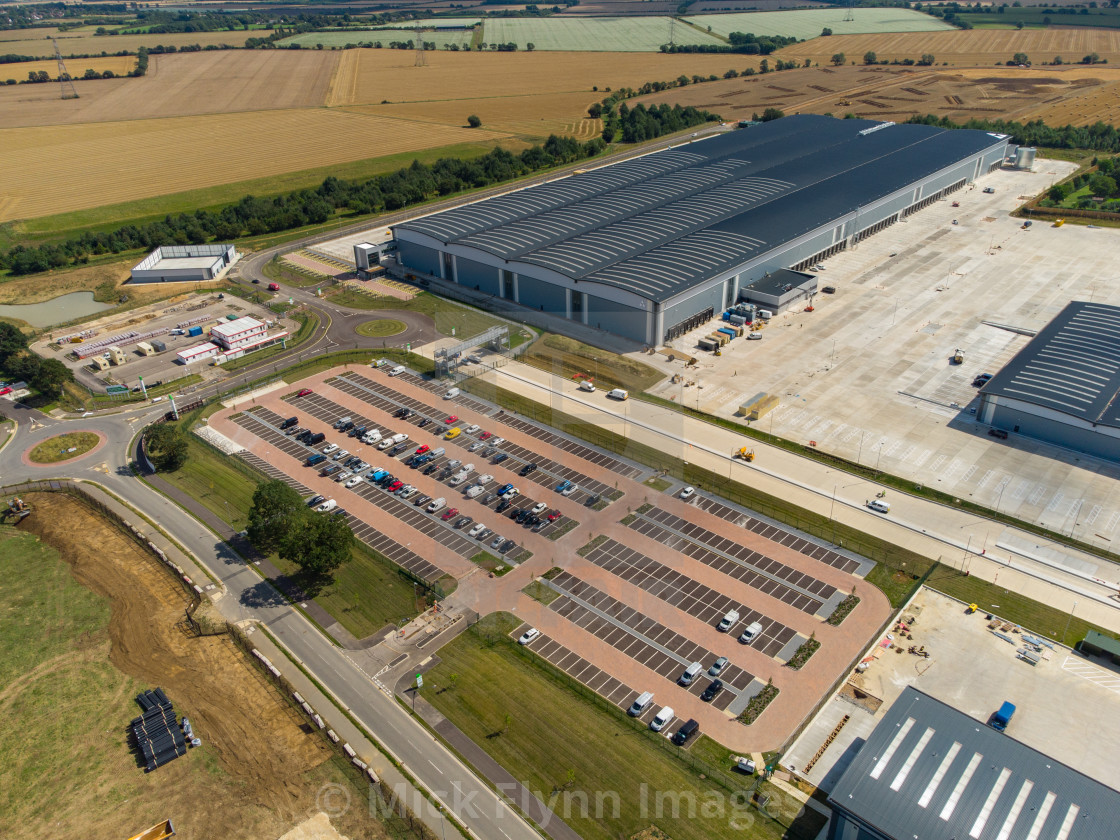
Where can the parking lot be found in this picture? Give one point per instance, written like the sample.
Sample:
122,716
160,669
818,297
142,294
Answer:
643,602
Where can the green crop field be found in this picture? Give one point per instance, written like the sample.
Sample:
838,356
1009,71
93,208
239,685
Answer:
630,34
808,23
1040,17
353,37
440,22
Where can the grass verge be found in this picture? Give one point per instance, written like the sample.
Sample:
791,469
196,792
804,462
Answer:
512,704
63,447
383,328
539,592
565,357
449,317
491,563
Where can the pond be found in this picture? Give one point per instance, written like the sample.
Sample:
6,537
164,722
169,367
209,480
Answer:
57,310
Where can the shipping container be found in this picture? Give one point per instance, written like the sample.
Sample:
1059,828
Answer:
158,346
727,331
719,338
194,331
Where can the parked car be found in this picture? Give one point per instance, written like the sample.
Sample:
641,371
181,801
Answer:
484,479
431,468
408,493
507,546
424,448
501,456
562,486
395,486
687,493
998,433
981,380
343,476
497,541
303,392
452,434
539,524
353,482
554,515
475,491
342,421
486,436
397,371
340,454
424,421
476,530
490,497
502,505
528,636
329,448
474,447
718,666
420,501
484,535
451,512
316,499
714,688
471,429
451,394
528,468
463,522
592,500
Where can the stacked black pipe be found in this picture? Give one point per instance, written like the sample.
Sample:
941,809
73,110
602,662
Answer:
157,734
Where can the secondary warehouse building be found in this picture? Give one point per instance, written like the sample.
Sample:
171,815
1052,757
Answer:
647,248
1064,386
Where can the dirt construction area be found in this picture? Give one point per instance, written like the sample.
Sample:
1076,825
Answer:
258,769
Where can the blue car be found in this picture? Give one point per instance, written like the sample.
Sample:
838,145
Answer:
377,475
562,486
501,491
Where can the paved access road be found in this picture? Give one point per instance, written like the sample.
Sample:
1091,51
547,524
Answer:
247,597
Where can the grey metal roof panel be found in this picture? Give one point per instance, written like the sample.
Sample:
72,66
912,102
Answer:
760,187
1072,366
931,771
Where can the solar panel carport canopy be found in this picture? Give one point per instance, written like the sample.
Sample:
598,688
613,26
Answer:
662,223
1071,366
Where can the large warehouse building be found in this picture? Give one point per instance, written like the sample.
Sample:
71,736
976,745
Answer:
1064,386
646,248
930,771
185,263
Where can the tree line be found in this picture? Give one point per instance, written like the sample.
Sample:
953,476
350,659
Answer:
746,43
255,216
1098,136
18,363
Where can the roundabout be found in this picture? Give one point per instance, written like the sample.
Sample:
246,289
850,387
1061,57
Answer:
64,448
381,328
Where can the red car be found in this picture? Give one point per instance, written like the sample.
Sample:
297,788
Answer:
304,392
422,450
5,390
554,515
451,513
395,486
486,436
454,418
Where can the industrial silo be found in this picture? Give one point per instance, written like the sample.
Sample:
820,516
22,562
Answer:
1024,158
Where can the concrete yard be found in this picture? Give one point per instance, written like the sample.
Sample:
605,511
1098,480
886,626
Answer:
905,299
1059,702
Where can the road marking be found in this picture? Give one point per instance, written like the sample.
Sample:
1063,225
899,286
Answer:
1108,680
434,765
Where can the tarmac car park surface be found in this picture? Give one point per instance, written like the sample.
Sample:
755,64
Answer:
639,620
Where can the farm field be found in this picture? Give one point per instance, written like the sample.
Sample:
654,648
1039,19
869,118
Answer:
52,170
330,40
1103,18
119,64
626,34
90,621
1079,95
85,43
370,76
984,47
808,23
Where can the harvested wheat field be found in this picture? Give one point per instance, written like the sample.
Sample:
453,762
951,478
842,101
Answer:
85,43
369,76
66,751
1079,95
966,47
118,64
56,169
179,85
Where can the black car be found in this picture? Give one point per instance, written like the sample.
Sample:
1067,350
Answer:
463,521
506,546
592,500
998,433
489,451
711,691
401,412
291,421
316,500
424,421
442,430
431,468
531,520
398,449
351,461
521,516
502,505
305,437
528,468
386,480
500,457
981,380
357,431
347,426
331,470
829,290
420,501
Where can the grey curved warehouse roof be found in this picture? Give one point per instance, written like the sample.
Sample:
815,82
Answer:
1071,366
658,224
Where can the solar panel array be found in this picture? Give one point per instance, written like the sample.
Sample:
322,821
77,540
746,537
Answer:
1071,366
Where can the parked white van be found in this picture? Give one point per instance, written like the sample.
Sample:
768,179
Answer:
691,673
751,633
728,621
397,371
372,436
641,704
662,719
400,437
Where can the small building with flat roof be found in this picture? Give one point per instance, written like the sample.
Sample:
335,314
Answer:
931,772
238,333
184,263
778,290
1063,387
1098,644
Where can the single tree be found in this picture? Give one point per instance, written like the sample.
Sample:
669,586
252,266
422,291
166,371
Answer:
838,59
927,60
318,545
869,57
276,510
1102,185
826,32
50,376
166,446
530,46
474,121
1020,58
771,114
1059,192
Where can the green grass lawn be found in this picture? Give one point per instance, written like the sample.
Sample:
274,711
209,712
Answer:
573,752
450,318
382,328
565,357
56,449
368,592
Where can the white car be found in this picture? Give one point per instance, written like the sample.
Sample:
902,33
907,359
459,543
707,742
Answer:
475,491
471,429
353,482
510,493
571,488
342,476
340,454
496,441
478,528
528,636
397,371
484,479
539,507
408,494
452,394
687,493
329,448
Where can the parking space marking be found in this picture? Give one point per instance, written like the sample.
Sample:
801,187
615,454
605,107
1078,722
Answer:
798,544
1106,679
583,604
562,443
795,588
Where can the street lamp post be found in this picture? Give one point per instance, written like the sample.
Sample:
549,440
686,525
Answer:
1068,620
